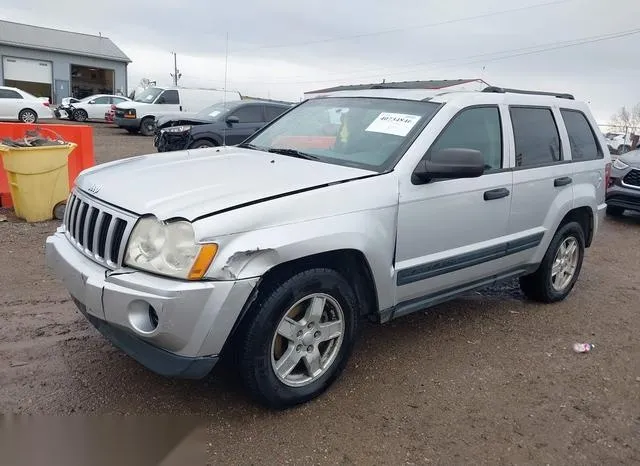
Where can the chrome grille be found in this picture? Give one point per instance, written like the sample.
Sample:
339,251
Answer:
97,230
632,178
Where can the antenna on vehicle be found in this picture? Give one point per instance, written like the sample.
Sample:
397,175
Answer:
224,97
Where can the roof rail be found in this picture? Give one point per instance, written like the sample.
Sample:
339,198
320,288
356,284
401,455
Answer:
503,90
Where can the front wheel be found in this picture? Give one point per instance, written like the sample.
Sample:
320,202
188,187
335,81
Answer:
299,338
147,126
80,115
559,270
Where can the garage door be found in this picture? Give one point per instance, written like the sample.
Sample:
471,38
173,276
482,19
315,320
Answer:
23,69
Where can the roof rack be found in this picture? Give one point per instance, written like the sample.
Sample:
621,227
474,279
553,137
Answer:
503,90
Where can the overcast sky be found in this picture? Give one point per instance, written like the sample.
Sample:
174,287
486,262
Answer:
282,48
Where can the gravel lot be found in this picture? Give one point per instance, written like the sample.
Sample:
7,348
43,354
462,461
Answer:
488,379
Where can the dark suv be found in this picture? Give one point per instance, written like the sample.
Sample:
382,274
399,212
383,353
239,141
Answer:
220,124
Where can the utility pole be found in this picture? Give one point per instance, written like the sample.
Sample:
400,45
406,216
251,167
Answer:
176,73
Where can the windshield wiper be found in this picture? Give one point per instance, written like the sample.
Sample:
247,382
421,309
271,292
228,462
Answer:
251,146
293,153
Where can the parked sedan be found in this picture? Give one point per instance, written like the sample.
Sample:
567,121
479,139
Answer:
623,191
217,125
91,108
16,104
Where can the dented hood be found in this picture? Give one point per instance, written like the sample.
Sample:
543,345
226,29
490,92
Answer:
190,184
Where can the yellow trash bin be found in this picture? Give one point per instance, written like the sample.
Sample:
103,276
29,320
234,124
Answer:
38,178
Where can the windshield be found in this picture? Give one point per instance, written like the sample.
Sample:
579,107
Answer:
354,131
215,110
148,95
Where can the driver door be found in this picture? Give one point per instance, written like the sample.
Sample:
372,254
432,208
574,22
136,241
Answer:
452,232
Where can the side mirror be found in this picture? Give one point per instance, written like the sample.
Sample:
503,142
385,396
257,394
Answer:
233,119
92,101
450,163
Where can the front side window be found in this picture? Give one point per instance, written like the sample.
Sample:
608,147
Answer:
581,136
475,128
249,114
169,97
274,111
536,136
361,132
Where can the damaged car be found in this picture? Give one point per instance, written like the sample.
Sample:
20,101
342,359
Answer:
371,204
222,124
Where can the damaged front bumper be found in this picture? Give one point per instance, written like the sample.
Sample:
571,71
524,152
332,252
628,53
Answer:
168,142
173,327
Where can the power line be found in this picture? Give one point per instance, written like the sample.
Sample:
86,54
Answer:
480,58
404,28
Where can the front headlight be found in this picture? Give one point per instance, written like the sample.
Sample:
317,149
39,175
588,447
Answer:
620,165
177,129
168,249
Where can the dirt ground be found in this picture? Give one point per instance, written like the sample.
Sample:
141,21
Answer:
488,379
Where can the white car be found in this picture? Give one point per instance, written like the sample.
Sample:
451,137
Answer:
93,107
16,104
618,143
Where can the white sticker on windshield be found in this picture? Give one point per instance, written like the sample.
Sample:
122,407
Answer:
398,124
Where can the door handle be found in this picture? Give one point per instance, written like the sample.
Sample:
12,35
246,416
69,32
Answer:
565,180
496,194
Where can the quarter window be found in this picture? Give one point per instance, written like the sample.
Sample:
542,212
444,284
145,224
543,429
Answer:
583,142
475,128
536,136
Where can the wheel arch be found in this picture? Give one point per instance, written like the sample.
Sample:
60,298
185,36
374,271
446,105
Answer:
584,216
352,264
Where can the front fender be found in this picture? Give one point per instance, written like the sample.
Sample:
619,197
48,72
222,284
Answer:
252,254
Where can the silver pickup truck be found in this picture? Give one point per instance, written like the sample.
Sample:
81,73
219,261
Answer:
370,204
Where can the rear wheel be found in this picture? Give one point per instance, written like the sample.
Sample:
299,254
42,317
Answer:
28,116
80,115
148,126
559,270
299,338
615,211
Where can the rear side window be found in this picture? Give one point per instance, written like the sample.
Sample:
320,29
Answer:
536,135
117,100
101,100
249,114
273,111
9,94
170,97
475,128
583,142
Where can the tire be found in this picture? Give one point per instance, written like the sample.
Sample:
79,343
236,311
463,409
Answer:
201,144
261,347
28,116
615,211
539,286
80,115
147,126
131,130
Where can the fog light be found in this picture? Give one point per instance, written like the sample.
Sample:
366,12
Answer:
143,317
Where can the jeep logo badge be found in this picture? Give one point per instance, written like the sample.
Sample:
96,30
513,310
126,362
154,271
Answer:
94,188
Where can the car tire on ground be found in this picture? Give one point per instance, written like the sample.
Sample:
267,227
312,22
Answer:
201,144
28,116
131,130
557,274
615,211
299,337
80,115
147,126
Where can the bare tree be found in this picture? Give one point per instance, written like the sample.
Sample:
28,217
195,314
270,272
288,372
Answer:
627,119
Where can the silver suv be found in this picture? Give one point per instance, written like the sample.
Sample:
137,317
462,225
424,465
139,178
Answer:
370,204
